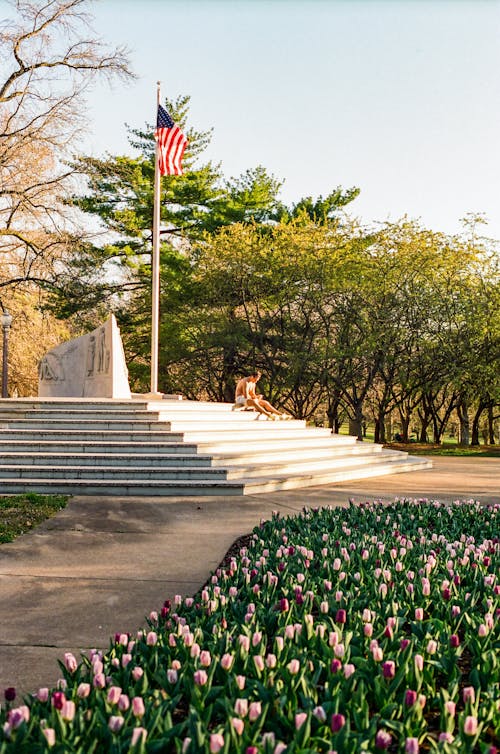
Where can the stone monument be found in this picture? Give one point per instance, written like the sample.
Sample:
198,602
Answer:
91,366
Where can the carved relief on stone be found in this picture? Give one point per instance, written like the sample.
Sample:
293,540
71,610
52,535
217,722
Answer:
50,369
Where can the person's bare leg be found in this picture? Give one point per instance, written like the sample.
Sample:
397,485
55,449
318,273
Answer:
255,404
270,409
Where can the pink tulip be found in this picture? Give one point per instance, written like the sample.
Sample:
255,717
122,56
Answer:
126,658
99,681
70,662
205,659
138,706
450,708
258,662
469,694
244,642
216,742
172,675
240,682
151,639
320,714
241,707
300,719
200,677
419,613
238,725
349,669
419,662
227,661
431,646
293,667
446,738
43,694
271,661
254,711
68,711
470,725
114,694
368,629
123,703
377,654
50,736
115,723
138,735
137,673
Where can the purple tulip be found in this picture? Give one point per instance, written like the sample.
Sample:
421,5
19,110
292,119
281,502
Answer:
389,669
383,739
411,746
337,722
9,694
410,697
58,699
340,616
454,641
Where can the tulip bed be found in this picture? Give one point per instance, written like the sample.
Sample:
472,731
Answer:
368,628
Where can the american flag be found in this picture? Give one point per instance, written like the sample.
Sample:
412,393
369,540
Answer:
171,144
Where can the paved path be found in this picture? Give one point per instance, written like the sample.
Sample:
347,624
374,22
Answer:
102,564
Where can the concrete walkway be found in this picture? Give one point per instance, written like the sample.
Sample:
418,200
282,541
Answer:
102,564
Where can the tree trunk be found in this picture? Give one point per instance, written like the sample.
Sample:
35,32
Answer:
491,425
463,418
425,420
356,422
475,425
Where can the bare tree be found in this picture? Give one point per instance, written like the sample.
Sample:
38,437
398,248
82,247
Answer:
49,57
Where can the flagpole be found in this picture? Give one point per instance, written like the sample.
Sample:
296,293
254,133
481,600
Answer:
155,266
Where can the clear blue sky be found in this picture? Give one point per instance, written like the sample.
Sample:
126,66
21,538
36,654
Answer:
398,97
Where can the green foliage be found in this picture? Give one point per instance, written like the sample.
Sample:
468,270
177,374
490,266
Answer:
21,513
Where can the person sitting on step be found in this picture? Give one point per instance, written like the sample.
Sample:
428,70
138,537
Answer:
246,396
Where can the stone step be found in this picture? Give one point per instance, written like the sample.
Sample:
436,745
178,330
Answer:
90,447
193,470
185,448
128,460
175,456
201,487
230,422
114,473
89,435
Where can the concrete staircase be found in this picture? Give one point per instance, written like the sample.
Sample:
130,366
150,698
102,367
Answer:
174,448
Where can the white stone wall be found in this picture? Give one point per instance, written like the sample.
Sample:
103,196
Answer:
91,366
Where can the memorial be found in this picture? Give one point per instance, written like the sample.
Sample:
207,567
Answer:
91,366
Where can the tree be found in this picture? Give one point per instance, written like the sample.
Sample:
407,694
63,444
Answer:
49,56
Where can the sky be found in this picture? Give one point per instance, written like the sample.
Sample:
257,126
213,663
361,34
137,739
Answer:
400,98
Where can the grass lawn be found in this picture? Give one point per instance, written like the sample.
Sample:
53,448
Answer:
20,513
446,449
